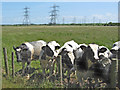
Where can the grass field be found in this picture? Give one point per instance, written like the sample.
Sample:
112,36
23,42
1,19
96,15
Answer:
15,35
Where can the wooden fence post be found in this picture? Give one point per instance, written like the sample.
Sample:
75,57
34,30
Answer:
61,79
113,74
6,61
13,65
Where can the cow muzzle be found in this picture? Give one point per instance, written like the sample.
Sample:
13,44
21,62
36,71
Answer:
19,60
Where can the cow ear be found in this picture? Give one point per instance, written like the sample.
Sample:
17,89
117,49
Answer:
14,48
64,49
57,47
43,48
102,50
88,46
25,48
113,51
83,47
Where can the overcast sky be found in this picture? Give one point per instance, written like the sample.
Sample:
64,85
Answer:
72,12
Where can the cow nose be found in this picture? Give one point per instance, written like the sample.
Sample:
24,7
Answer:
54,57
96,58
19,60
113,51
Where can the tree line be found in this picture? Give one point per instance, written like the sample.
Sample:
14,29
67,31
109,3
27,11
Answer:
78,24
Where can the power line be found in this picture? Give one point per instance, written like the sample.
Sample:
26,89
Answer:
53,14
26,20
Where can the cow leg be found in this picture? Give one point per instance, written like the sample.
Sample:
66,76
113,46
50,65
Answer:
43,67
23,67
68,78
41,53
80,77
28,65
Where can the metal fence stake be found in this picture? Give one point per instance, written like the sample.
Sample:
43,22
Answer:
13,65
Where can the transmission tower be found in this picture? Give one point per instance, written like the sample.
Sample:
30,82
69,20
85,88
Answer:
63,20
53,14
85,19
26,20
74,20
99,20
94,20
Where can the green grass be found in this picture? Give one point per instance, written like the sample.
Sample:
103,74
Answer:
15,35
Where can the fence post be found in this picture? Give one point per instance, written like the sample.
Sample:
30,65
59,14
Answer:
119,73
13,65
61,70
113,74
6,61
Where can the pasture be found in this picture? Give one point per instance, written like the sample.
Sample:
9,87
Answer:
15,35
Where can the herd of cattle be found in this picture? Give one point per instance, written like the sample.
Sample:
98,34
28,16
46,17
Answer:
74,56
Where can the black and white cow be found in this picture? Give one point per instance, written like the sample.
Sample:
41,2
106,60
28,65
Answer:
48,54
95,59
116,50
88,53
78,55
68,57
66,51
28,51
102,67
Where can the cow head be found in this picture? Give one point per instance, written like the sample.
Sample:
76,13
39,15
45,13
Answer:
104,52
116,50
92,52
50,49
18,51
80,50
66,57
83,46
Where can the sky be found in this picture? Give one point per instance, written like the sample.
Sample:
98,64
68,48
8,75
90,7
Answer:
72,12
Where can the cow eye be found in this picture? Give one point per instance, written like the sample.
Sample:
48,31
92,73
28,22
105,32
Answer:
114,45
24,49
119,49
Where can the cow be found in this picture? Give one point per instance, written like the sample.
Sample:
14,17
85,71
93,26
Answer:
78,54
48,54
116,50
102,67
66,52
88,53
95,61
27,52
